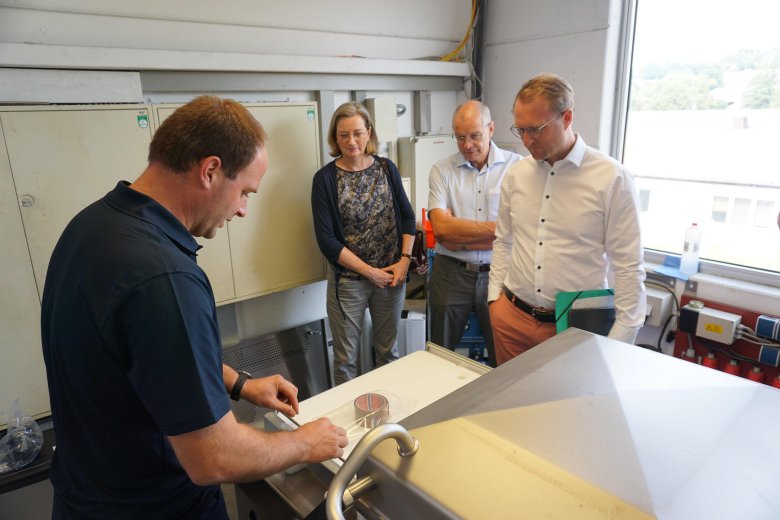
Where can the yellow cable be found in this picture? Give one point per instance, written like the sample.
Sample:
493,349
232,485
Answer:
451,56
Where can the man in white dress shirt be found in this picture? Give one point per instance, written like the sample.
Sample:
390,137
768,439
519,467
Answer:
568,215
464,189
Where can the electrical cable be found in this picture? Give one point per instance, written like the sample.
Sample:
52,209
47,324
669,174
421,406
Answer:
474,78
726,351
451,56
667,289
745,333
733,354
757,341
730,353
663,330
671,316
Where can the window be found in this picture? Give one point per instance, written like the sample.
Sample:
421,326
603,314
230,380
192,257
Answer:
720,206
741,212
702,123
765,213
644,200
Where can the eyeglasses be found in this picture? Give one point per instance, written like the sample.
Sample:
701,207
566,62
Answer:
476,137
357,135
530,131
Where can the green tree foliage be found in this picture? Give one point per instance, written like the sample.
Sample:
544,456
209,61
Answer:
681,91
762,91
689,86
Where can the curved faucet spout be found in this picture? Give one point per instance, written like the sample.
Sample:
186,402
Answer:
407,446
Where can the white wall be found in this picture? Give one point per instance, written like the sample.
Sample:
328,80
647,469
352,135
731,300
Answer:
402,29
575,39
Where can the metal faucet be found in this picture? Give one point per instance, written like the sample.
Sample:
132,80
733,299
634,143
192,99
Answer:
338,492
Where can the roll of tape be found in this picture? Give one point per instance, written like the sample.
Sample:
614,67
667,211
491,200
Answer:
371,410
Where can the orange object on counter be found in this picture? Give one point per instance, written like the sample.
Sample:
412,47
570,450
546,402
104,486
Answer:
430,239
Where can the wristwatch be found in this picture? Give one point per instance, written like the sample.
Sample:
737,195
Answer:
235,393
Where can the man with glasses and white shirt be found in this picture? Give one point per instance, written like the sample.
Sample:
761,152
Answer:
463,206
569,215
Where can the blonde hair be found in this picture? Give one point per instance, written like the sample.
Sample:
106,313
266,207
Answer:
350,109
556,90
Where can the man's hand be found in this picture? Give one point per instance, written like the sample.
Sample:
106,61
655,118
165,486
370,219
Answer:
273,392
322,440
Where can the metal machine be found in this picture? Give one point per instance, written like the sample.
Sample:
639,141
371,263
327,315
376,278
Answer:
579,427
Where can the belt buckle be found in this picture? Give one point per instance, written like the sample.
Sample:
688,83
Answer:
539,315
474,268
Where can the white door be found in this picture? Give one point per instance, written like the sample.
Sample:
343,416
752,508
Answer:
62,160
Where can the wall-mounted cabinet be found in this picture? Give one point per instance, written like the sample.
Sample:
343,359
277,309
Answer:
273,247
64,159
54,161
52,164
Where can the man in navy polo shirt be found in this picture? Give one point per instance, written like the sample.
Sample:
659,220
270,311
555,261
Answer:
131,341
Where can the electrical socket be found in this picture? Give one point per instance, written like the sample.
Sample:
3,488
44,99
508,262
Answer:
711,324
659,306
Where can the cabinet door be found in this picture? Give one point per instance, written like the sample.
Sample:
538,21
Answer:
22,371
64,159
274,247
214,256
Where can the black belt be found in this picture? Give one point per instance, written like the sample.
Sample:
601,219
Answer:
538,313
477,268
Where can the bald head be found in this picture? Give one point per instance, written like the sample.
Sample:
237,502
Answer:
472,109
473,129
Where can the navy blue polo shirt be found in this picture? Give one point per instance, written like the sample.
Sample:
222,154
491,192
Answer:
133,354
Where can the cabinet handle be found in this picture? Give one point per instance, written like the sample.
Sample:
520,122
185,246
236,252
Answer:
27,201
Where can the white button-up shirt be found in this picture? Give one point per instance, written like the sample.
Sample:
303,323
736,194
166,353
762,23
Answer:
563,227
472,195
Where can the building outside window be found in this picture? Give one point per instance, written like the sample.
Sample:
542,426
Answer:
702,125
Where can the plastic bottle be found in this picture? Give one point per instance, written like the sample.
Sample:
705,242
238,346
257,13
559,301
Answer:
689,264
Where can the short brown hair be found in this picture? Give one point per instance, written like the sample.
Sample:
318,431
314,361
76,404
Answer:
553,88
206,126
350,109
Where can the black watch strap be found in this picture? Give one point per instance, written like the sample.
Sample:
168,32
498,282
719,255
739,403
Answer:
235,393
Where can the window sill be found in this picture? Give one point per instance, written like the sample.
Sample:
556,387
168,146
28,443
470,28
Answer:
757,297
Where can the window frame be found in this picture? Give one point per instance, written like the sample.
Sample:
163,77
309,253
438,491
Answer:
625,52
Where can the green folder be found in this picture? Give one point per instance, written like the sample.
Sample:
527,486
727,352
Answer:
565,301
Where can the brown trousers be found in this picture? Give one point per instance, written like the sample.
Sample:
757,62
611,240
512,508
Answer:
514,331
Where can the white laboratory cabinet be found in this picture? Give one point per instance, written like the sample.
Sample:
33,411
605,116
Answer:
416,156
53,163
55,160
274,246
